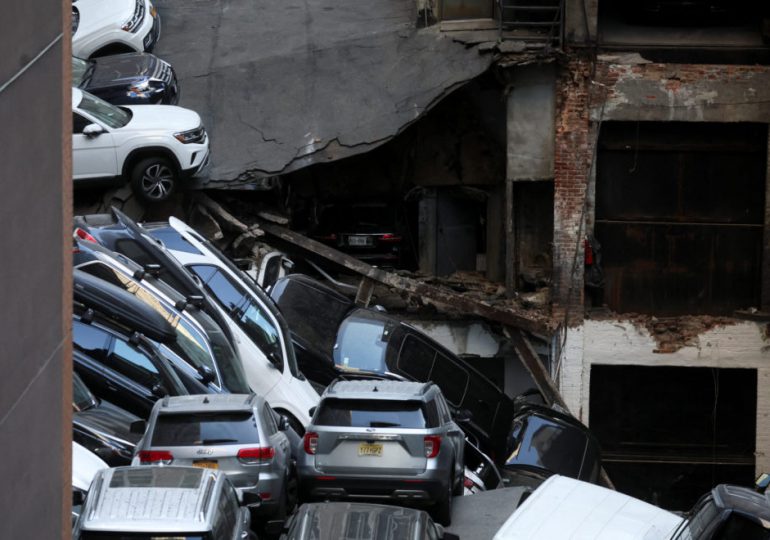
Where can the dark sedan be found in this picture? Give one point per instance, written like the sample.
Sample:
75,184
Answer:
101,427
127,79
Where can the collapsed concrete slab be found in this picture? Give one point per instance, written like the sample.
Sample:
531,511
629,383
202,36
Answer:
284,85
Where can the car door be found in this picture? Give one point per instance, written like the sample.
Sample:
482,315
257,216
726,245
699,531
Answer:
91,346
92,156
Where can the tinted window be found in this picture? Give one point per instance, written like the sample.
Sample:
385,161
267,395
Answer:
267,420
252,319
738,527
416,359
78,123
173,240
542,443
90,339
225,520
372,413
82,398
362,343
205,428
134,364
451,378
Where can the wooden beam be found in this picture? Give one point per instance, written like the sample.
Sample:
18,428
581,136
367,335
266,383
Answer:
436,295
535,367
364,293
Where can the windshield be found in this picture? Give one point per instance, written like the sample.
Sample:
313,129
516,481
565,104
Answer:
79,69
104,112
82,398
361,344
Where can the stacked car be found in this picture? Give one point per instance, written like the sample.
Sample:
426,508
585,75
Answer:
126,125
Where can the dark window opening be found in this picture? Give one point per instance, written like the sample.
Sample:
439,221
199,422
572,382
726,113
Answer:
669,434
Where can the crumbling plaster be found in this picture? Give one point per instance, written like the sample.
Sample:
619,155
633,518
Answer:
618,342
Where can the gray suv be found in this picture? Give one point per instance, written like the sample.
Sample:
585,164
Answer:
384,440
238,434
168,502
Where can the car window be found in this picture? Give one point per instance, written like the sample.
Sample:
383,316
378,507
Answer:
362,343
268,422
173,240
106,113
78,123
425,363
738,527
542,443
373,413
252,319
193,429
432,413
134,364
90,339
416,358
82,398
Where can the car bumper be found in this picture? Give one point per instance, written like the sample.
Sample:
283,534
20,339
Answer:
200,162
269,488
424,488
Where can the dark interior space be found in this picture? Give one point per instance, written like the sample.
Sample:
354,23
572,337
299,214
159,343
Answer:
679,216
710,31
533,212
669,434
454,156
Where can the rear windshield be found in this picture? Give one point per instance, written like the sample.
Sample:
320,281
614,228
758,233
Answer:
205,428
374,413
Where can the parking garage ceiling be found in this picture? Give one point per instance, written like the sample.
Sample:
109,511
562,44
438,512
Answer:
283,85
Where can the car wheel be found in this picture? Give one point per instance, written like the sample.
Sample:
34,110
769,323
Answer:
153,179
443,508
459,486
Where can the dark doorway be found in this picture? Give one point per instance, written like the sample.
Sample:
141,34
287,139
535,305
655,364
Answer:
669,434
679,215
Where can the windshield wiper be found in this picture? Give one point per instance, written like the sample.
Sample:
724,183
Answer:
384,424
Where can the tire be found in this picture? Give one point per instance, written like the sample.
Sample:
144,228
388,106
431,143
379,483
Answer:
154,179
442,511
459,487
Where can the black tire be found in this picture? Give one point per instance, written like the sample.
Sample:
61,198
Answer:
459,486
154,179
442,510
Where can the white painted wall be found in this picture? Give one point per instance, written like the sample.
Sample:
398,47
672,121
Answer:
614,342
461,337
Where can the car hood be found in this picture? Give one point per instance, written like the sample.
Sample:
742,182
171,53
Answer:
96,14
109,420
85,465
161,118
125,69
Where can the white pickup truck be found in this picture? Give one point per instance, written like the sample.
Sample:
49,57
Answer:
566,509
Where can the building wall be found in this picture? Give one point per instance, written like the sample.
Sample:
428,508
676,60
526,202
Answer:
35,388
620,342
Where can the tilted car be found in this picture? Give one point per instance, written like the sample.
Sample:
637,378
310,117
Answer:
384,440
362,521
201,351
192,266
85,465
152,147
237,434
183,503
101,427
331,333
100,28
127,79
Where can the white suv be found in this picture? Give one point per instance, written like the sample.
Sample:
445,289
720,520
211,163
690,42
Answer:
152,146
102,27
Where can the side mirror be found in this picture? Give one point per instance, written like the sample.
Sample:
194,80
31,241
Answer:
761,483
138,427
250,499
158,390
207,375
78,497
311,411
93,130
284,424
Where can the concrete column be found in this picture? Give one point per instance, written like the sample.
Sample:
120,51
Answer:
762,450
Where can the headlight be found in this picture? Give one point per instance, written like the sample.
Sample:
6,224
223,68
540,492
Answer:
133,24
197,135
75,20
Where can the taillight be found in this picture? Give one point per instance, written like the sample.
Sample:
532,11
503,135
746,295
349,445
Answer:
388,237
148,457
432,445
311,442
84,235
467,482
254,456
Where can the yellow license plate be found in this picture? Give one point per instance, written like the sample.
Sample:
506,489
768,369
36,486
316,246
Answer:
205,464
370,449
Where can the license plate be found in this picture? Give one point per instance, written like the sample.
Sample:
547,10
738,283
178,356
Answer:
359,241
370,449
205,464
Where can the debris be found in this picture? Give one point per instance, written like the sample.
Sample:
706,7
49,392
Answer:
508,47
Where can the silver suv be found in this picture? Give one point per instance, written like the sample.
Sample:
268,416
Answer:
153,502
238,434
386,440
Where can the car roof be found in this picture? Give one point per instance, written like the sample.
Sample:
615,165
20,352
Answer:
378,389
209,403
345,520
77,96
151,499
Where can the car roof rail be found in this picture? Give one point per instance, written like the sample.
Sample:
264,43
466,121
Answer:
250,398
165,401
425,387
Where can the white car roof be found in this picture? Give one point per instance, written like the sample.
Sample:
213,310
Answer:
85,465
566,509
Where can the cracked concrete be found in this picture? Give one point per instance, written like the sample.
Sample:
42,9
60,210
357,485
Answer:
281,86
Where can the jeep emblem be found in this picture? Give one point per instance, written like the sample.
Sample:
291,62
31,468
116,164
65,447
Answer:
206,451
